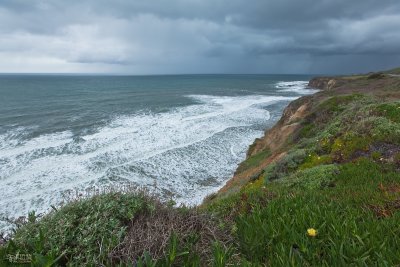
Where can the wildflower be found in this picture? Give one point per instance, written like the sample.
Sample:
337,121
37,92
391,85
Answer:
311,232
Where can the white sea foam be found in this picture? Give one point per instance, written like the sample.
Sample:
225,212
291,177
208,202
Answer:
188,152
299,87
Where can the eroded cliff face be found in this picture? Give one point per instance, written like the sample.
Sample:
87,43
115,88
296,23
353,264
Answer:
319,82
276,141
325,83
273,142
276,137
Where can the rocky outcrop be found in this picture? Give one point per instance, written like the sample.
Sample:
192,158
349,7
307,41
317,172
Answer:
319,82
325,83
276,137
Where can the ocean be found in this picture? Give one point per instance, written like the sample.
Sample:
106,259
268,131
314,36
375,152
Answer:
179,136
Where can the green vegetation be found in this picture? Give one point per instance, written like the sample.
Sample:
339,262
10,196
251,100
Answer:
113,229
393,71
390,111
285,166
314,177
253,161
341,177
376,75
339,174
82,232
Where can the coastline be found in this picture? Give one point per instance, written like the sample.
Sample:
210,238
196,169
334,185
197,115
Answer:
274,137
321,186
273,142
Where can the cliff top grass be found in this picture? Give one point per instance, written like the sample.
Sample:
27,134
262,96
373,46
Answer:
341,177
331,198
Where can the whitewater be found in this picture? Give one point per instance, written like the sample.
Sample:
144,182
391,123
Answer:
183,152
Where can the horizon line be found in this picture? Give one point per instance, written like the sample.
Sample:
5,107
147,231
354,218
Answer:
165,74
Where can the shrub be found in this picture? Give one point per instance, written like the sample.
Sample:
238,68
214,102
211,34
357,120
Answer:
376,75
190,233
286,165
315,160
344,147
83,232
376,155
384,130
307,130
390,111
396,158
313,178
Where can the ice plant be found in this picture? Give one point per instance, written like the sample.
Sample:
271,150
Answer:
311,232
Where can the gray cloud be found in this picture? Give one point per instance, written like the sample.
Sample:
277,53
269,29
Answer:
199,36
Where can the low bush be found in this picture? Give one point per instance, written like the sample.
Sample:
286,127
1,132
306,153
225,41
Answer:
390,111
344,147
82,232
192,235
384,130
286,165
313,178
314,159
376,75
120,229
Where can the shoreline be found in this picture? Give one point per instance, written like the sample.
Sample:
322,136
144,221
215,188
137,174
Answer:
331,160
275,138
239,177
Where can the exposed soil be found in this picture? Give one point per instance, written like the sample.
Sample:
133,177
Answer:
275,139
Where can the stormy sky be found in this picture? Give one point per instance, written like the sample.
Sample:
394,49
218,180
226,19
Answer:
199,36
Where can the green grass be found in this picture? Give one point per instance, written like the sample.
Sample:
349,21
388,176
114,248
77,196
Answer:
329,180
253,161
336,177
337,104
273,231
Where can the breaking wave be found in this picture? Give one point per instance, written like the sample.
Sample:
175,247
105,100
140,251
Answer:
299,87
185,153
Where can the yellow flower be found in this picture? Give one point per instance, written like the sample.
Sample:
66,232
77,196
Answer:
311,232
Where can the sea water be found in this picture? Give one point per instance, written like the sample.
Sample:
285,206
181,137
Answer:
179,136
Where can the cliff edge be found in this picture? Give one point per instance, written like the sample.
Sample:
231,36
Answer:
320,188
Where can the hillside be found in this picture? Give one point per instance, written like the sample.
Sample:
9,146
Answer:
321,188
393,71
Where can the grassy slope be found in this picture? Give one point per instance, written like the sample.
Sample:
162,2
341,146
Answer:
340,174
393,71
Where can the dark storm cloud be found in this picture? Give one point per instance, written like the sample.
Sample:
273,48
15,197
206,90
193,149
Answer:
180,36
